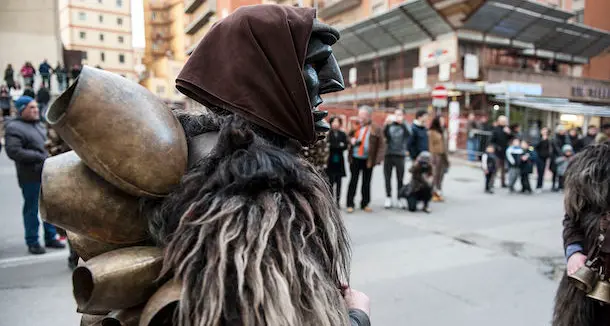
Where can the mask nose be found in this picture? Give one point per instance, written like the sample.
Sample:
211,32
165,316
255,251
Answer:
331,79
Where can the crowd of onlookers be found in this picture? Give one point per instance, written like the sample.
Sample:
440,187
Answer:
511,151
369,145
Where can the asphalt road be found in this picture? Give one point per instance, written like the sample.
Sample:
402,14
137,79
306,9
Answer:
476,260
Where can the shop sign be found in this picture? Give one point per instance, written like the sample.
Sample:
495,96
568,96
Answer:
593,92
437,52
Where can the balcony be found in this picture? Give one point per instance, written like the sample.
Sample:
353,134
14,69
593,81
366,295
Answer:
202,19
332,8
161,19
191,5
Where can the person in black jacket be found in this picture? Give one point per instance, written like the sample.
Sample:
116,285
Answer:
589,139
418,142
558,142
25,144
43,97
544,151
335,168
396,138
500,138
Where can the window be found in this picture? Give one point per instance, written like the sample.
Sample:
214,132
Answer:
101,18
580,16
82,35
119,3
154,15
103,56
82,15
84,55
121,58
119,21
121,40
102,37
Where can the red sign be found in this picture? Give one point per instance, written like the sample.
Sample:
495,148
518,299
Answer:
440,92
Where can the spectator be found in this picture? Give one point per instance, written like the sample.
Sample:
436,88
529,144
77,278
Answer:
9,77
25,144
472,144
527,166
366,152
488,163
418,189
29,91
559,141
515,130
43,97
16,92
440,160
62,77
335,168
396,138
514,155
5,102
75,72
500,138
603,136
589,139
574,139
544,152
28,72
45,72
562,163
418,142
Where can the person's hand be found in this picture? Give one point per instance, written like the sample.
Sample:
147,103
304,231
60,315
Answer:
369,165
575,262
353,141
341,144
355,299
507,130
486,172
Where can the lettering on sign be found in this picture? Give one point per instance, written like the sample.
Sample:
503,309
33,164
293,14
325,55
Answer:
594,92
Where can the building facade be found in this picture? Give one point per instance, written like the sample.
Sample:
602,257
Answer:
164,53
29,36
102,30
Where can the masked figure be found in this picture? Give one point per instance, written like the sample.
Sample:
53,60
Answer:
583,296
234,226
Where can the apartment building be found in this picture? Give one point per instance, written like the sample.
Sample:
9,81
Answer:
102,30
164,53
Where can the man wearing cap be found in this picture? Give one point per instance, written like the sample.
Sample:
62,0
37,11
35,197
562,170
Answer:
25,144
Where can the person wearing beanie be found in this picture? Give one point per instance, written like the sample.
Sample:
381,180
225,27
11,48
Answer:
25,144
563,161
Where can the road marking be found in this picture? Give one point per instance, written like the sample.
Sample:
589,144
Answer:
33,259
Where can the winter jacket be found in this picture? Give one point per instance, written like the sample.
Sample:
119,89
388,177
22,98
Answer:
25,144
500,140
358,317
527,166
544,149
436,142
44,68
418,142
397,139
586,141
562,163
337,141
375,147
43,96
513,156
488,162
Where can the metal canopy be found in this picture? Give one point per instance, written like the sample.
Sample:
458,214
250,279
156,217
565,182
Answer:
543,27
559,105
410,22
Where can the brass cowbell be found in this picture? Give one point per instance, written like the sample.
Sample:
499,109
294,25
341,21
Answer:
601,292
584,278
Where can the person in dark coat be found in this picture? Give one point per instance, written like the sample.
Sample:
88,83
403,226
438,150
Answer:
43,97
589,139
544,151
488,164
418,142
574,139
558,142
500,138
396,137
25,144
419,188
9,77
335,168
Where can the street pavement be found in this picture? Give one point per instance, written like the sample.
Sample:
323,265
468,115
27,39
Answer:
476,260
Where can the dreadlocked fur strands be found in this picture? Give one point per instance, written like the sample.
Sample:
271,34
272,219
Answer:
586,199
588,181
258,239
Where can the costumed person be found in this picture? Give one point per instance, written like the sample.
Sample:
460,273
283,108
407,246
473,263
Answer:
239,229
419,188
335,169
583,298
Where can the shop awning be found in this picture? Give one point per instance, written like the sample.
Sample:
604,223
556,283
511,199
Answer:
411,22
559,105
541,27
